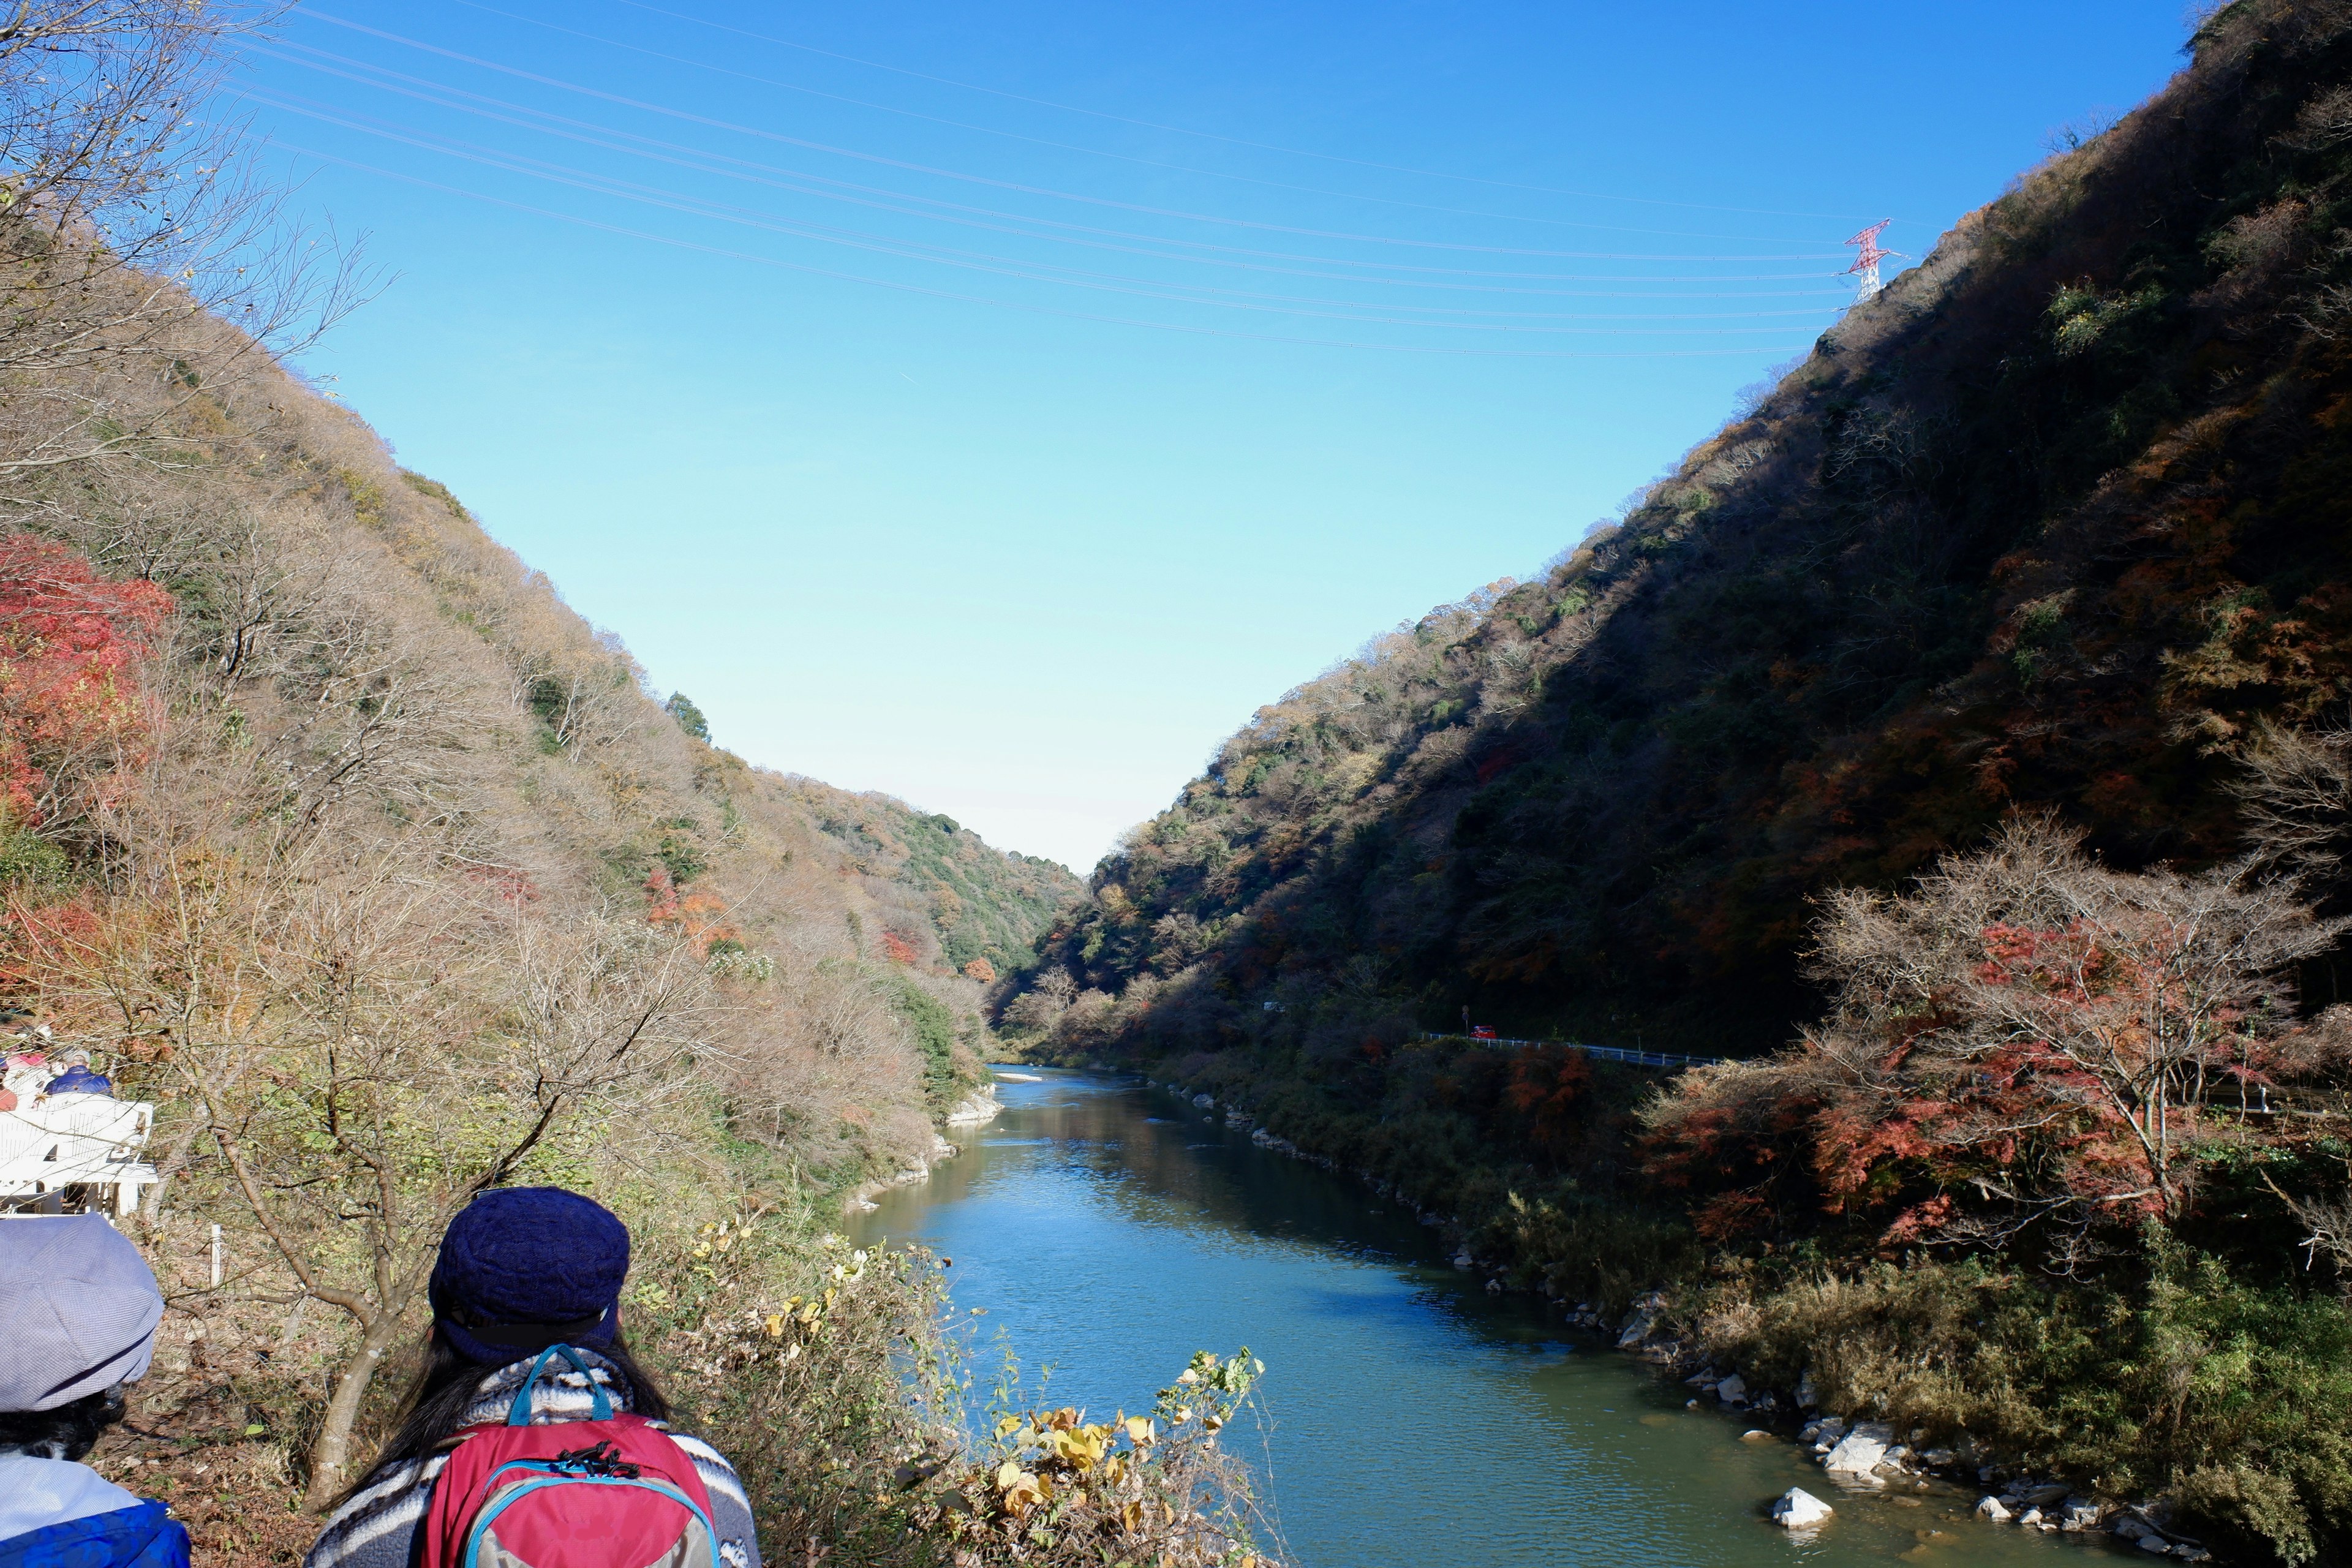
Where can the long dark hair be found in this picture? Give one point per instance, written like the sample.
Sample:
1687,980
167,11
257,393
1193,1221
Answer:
449,1384
67,1432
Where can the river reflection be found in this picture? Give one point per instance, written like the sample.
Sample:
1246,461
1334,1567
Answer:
1108,1230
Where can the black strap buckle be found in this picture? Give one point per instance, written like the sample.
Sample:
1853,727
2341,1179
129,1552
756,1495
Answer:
599,1459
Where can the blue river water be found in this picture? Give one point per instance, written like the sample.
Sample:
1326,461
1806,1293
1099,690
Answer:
1106,1230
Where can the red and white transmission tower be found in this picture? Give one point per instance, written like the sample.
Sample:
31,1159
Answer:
1865,271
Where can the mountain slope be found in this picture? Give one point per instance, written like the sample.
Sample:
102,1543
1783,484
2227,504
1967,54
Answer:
329,829
2053,537
2057,519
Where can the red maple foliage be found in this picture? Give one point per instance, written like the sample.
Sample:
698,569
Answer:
2027,1042
71,644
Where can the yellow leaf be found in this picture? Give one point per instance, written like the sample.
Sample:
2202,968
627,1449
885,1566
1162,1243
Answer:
775,1325
1008,1476
1138,1429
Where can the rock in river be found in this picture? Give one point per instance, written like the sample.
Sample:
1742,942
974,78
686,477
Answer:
1798,1509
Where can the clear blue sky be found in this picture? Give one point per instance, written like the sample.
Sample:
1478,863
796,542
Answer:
994,405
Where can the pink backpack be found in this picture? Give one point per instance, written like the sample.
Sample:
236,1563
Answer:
609,1492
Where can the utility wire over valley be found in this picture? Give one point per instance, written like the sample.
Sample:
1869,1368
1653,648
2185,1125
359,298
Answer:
1449,281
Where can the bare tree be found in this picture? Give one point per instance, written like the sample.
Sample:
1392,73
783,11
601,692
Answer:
141,256
2296,799
369,1047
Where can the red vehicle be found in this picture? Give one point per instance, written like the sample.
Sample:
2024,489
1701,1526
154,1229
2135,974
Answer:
1482,1031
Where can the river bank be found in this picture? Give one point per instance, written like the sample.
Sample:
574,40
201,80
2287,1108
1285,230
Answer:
1410,1415
1667,1326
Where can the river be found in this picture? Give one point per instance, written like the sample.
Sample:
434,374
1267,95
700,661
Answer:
1106,1230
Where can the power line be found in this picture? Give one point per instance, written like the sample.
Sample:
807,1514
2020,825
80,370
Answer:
1191,330
442,95
1028,271
316,109
1208,135
1019,186
1092,152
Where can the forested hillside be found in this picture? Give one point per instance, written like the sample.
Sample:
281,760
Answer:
1958,737
979,911
329,829
2060,518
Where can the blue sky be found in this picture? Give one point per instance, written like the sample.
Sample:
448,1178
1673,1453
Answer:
994,405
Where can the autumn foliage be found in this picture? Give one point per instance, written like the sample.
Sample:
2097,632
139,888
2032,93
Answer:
71,644
2026,1043
1548,1086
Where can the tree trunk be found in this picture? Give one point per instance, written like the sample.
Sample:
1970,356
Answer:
331,1450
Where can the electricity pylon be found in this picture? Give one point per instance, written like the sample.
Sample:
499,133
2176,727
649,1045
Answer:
1865,271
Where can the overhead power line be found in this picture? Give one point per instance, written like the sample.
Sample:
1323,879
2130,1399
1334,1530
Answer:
1022,225
1033,272
740,75
1021,186
1184,328
1206,135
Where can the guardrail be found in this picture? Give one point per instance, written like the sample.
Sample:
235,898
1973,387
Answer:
1598,1053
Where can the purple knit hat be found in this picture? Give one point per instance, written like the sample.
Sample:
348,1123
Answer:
528,1268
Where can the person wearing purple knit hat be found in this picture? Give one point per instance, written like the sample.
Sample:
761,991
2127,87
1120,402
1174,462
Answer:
521,1271
79,1308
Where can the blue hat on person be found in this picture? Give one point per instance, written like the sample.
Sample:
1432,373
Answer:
79,1308
523,1268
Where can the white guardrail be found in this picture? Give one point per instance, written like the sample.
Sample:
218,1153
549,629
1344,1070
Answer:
1598,1053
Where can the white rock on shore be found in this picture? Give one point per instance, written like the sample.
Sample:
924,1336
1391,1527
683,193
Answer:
978,1107
1861,1450
1798,1509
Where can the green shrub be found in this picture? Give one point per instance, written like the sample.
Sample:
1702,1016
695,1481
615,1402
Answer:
26,858
2236,1398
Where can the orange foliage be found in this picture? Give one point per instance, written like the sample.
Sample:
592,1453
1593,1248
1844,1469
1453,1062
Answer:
896,948
700,916
71,646
38,937
981,971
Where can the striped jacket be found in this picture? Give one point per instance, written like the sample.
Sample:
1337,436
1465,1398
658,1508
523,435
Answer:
382,1525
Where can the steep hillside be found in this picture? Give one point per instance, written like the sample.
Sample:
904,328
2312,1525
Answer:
329,829
2060,518
1958,737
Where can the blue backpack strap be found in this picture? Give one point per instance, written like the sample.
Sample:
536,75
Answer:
518,1413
